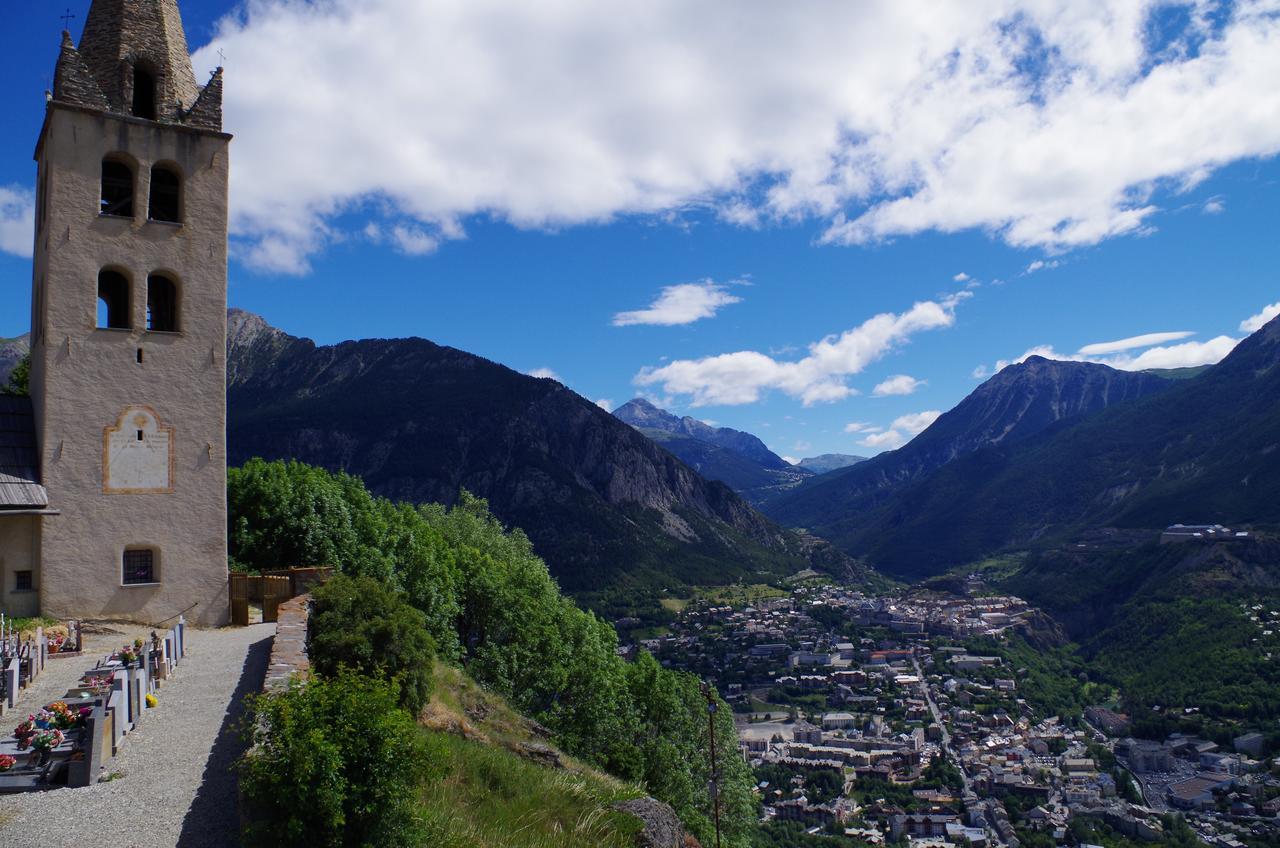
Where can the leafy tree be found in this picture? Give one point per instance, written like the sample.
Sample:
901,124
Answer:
19,379
334,763
360,623
490,604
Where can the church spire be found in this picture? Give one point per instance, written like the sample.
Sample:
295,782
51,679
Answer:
72,80
136,50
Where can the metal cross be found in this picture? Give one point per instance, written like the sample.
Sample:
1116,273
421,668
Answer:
66,20
222,57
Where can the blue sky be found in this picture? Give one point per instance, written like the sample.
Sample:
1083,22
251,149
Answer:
528,175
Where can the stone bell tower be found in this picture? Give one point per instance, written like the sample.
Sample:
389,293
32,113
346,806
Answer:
129,312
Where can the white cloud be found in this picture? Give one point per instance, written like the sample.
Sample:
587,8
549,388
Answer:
742,377
680,304
1042,265
1148,340
1255,323
1048,123
1214,206
884,440
792,460
961,277
414,240
605,404
982,372
901,431
17,220
544,374
860,427
1190,354
916,423
898,385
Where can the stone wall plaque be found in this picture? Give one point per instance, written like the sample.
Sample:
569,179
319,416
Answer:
137,454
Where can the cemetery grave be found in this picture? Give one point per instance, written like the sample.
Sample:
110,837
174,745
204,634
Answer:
70,740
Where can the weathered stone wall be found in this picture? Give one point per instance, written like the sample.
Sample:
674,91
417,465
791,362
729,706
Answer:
19,551
119,33
83,378
289,648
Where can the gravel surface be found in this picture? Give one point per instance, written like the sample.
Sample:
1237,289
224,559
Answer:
172,784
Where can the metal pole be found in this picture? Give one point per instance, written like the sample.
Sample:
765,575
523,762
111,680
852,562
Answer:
714,784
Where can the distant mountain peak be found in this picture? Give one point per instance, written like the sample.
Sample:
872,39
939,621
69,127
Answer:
11,353
643,415
1015,404
828,462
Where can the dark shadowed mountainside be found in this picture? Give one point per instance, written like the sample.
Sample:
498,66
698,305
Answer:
1019,402
1204,450
739,460
604,505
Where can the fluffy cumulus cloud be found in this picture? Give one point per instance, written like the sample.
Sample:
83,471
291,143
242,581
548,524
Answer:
1048,123
606,404
899,385
901,431
743,376
1255,323
17,220
681,304
544,374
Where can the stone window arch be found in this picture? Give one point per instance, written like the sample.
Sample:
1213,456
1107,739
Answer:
117,187
162,303
166,194
114,303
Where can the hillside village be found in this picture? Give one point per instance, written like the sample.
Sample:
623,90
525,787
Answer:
876,718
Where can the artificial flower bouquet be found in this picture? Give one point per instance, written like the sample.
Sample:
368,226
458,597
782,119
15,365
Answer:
7,762
47,739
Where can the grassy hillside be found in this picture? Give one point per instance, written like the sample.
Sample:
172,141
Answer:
1185,631
505,787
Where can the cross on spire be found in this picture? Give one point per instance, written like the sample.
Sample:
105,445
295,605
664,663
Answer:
66,20
222,57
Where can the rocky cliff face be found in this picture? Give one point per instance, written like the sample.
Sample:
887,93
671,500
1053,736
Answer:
420,422
1019,402
11,353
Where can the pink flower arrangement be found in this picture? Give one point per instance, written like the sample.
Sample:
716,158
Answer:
47,740
7,762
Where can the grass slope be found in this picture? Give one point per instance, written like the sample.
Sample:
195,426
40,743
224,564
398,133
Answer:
500,789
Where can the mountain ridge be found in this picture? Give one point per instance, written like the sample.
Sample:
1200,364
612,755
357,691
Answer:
1018,402
1204,450
11,353
419,422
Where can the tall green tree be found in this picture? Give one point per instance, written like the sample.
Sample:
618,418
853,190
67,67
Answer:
19,383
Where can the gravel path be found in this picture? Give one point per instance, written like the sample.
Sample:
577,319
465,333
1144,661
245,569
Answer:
174,786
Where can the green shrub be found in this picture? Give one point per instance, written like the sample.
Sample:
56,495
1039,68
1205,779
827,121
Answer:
360,623
334,764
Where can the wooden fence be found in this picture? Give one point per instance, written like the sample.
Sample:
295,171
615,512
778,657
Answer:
269,590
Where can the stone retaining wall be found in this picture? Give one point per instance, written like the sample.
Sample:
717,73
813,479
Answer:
289,648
